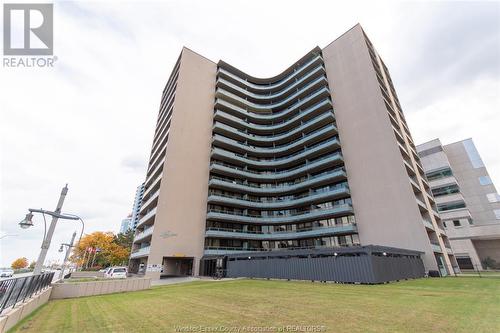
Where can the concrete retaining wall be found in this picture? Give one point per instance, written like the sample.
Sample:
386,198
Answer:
81,289
21,310
87,274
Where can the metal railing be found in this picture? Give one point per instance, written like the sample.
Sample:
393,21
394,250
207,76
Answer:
13,291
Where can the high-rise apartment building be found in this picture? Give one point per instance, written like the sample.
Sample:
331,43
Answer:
318,156
136,209
466,198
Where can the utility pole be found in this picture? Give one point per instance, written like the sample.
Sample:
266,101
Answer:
68,251
50,232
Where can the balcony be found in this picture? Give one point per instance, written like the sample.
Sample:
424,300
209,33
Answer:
146,205
266,108
142,252
288,147
223,101
292,173
212,250
264,125
341,191
335,211
428,224
285,188
283,138
141,236
282,93
148,218
285,235
436,248
308,153
316,61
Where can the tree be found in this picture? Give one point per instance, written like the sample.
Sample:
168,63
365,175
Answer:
125,239
113,250
32,265
19,263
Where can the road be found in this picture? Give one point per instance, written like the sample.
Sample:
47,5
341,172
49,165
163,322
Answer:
56,275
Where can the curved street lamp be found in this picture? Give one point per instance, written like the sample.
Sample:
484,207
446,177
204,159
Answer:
47,237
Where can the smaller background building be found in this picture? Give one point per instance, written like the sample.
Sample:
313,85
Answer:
467,201
139,193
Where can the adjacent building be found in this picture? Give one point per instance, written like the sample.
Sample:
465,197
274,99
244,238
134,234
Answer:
467,200
317,157
126,224
136,209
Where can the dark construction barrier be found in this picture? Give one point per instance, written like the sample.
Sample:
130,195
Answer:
19,289
361,264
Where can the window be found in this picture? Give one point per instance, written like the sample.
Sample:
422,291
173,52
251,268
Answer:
430,151
473,154
470,221
485,180
440,173
493,197
450,189
444,224
456,223
452,205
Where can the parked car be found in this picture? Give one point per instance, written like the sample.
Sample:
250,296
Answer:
6,272
116,273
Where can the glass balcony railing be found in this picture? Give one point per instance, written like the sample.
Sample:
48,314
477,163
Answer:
317,71
275,85
221,99
142,252
301,127
216,214
311,136
333,191
311,150
222,250
257,107
340,229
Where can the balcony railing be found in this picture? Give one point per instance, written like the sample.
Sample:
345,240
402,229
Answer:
141,252
141,235
218,249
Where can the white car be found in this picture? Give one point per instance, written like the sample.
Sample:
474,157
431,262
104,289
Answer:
6,272
116,273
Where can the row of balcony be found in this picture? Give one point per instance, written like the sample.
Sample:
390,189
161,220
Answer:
223,102
141,252
277,150
148,218
314,62
282,235
298,157
330,160
318,214
327,117
275,107
232,201
215,250
141,236
272,95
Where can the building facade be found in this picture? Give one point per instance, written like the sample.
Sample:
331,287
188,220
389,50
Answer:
319,156
136,209
466,198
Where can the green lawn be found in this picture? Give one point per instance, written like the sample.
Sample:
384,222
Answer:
464,304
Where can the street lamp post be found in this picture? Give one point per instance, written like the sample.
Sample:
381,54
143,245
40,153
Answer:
27,222
66,256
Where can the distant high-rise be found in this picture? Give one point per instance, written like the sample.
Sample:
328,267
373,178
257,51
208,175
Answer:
126,224
466,198
136,209
316,157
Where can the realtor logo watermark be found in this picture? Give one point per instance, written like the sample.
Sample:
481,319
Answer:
28,35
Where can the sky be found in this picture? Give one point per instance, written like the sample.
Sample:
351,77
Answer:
89,120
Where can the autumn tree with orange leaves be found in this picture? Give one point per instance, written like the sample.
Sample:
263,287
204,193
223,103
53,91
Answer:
19,263
111,252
